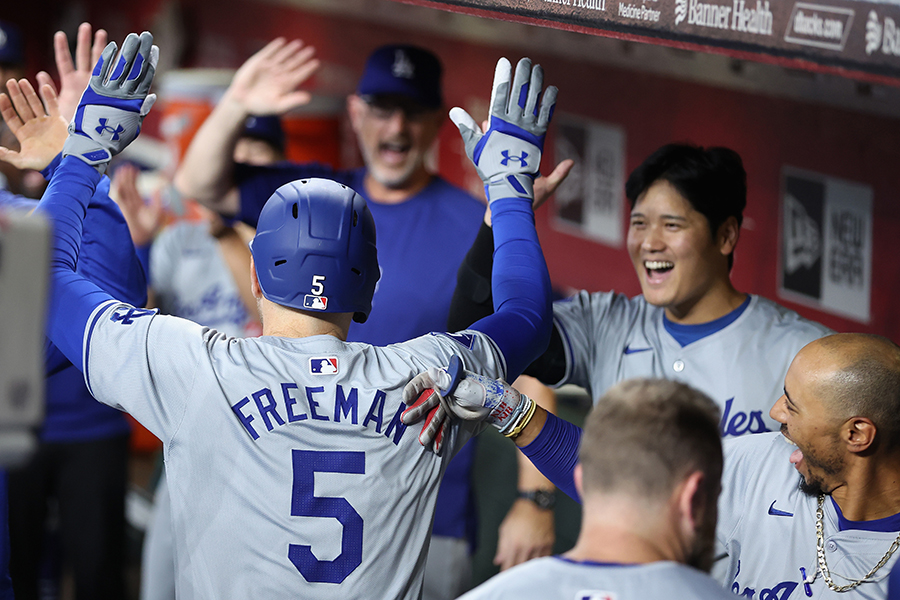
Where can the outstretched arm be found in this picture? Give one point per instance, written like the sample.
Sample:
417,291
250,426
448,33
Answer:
507,157
107,119
266,84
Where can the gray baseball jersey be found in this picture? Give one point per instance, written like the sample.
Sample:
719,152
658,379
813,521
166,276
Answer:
609,337
767,526
289,472
555,577
191,280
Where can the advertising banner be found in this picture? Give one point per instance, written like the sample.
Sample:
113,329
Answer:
826,258
847,35
591,203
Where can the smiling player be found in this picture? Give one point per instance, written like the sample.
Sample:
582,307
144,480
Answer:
690,323
811,512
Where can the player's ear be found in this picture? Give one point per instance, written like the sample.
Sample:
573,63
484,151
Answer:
728,235
691,502
858,433
254,280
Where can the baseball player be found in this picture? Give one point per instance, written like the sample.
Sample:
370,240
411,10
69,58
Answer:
285,481
81,461
690,323
396,116
649,472
810,512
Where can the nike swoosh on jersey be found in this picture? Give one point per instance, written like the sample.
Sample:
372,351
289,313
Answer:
778,513
630,350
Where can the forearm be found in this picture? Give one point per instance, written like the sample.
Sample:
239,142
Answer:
206,171
72,298
521,287
552,445
530,478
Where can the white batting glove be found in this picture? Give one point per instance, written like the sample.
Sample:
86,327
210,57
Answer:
508,155
114,104
464,395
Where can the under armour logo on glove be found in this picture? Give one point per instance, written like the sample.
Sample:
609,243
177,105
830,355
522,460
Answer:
115,132
520,159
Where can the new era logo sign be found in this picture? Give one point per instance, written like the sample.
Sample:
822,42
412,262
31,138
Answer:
311,302
323,365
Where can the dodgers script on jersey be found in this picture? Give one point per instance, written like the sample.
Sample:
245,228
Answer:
555,577
289,471
609,337
767,526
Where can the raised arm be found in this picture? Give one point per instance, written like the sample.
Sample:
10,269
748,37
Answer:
107,119
507,157
266,84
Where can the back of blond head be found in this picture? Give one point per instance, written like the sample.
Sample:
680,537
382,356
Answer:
645,436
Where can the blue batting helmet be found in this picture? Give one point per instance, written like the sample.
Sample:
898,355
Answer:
315,249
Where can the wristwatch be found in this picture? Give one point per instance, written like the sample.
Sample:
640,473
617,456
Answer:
543,499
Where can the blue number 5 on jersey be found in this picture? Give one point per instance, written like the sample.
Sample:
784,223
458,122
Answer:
304,504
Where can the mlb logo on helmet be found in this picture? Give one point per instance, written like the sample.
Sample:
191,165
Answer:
315,302
323,365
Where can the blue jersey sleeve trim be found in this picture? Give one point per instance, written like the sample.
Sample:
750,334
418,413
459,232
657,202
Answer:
87,346
555,453
520,284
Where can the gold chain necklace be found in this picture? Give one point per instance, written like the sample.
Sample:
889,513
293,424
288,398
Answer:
820,553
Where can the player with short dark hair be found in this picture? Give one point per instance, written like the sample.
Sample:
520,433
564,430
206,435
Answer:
812,511
310,463
690,323
713,180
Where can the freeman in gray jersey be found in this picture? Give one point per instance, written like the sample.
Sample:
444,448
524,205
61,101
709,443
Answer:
690,323
649,469
812,512
289,470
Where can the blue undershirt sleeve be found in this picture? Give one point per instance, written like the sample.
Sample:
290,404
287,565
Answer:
555,453
72,297
520,283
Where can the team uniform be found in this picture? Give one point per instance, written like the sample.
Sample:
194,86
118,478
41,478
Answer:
739,360
190,279
407,305
267,431
557,577
288,467
767,527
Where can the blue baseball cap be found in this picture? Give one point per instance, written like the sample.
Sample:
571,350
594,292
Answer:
11,49
402,70
266,128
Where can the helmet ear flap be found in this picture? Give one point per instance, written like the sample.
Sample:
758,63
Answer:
315,249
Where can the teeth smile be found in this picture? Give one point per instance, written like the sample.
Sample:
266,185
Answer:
656,265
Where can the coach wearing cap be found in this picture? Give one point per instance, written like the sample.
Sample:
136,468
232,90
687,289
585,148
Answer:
425,225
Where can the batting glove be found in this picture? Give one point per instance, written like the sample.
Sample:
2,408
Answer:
508,156
465,395
113,106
